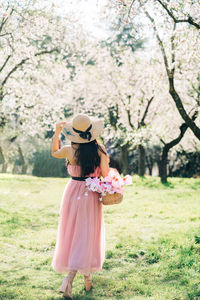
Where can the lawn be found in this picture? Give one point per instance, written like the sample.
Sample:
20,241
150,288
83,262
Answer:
152,241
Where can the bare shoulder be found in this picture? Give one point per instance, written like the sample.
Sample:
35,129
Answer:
65,148
69,151
68,146
104,160
103,148
62,153
103,155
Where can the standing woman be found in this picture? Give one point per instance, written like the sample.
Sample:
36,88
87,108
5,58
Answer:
80,242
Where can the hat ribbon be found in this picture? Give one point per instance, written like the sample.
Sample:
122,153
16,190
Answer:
84,134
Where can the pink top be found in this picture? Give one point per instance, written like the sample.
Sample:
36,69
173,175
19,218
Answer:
75,170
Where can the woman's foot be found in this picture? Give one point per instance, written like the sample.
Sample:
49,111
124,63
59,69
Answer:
63,285
88,282
66,286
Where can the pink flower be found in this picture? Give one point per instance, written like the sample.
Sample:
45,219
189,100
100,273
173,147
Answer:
127,180
113,183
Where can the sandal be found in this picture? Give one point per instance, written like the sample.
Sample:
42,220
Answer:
63,285
88,283
68,289
66,286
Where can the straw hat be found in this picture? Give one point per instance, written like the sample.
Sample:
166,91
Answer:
83,129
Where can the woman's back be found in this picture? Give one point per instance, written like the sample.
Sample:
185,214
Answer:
80,160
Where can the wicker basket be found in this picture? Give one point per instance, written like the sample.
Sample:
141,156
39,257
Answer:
109,199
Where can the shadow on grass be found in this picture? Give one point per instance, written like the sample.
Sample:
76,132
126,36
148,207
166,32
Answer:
168,185
152,182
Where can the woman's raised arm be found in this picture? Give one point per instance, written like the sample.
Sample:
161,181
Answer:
55,151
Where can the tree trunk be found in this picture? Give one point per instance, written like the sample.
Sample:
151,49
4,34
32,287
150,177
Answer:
124,159
24,166
163,164
159,167
150,163
141,163
166,148
170,171
150,170
4,164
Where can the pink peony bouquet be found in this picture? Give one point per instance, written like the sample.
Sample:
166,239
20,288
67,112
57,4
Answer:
113,183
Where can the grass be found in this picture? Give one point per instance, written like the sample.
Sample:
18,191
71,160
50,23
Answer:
152,241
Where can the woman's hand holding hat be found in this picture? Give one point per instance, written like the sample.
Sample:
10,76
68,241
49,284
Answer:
83,129
59,126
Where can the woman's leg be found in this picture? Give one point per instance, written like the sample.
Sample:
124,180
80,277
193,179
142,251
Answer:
66,286
88,282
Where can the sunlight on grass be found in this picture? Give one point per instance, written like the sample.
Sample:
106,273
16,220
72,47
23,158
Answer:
152,240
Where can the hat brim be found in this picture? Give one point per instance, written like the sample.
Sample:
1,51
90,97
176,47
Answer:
96,130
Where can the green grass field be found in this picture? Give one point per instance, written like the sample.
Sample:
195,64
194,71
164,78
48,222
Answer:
152,241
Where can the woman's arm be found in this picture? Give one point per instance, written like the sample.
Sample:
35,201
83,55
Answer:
104,162
55,151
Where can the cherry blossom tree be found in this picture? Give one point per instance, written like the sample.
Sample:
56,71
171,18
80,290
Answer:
34,64
176,29
52,68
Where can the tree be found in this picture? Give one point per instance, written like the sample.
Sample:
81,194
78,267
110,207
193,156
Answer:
24,38
174,46
123,96
34,77
185,19
166,148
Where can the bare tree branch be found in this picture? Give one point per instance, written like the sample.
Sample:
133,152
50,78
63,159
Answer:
159,41
47,51
173,50
175,141
4,20
129,118
22,62
129,11
4,34
170,73
146,111
13,70
188,20
129,114
162,141
127,110
183,129
189,121
167,146
5,62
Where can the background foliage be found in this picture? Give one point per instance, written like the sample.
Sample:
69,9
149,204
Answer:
141,75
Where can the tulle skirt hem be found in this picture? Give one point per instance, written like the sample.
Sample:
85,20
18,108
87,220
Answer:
82,271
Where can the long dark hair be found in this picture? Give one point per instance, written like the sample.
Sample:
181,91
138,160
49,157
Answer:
87,156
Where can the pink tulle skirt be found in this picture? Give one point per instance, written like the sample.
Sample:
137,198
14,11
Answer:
80,241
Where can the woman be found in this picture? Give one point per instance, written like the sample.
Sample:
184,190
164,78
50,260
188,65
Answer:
80,242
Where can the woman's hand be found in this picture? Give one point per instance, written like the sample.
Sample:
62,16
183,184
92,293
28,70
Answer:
59,127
